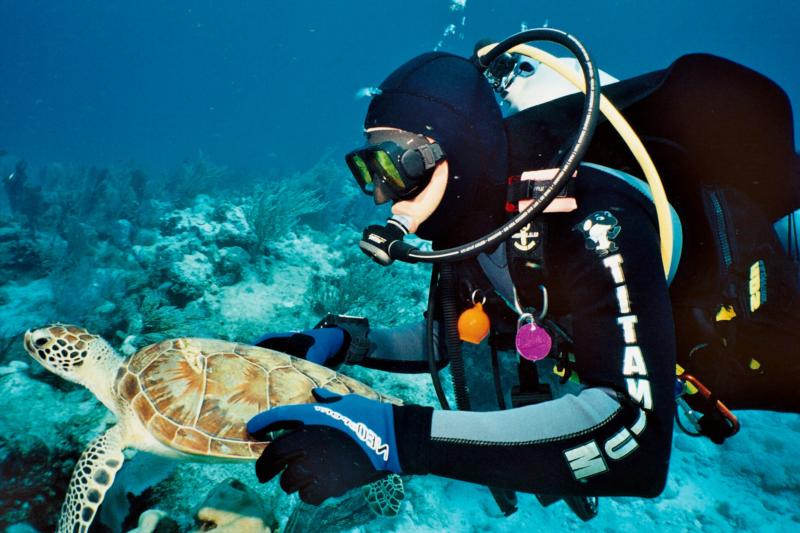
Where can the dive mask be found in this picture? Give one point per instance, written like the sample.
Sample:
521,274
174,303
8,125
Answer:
400,162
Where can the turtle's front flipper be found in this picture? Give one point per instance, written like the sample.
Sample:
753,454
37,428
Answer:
353,510
91,478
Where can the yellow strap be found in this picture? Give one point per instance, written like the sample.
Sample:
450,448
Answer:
560,373
725,312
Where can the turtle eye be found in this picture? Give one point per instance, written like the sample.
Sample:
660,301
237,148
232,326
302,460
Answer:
40,342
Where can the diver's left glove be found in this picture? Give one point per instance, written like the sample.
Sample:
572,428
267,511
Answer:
321,346
336,339
333,446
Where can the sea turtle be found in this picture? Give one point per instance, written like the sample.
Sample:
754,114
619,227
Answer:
186,399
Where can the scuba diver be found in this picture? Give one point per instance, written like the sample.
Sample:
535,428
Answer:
16,185
23,198
587,284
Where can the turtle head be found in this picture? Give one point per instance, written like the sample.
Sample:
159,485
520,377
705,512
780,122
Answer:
69,351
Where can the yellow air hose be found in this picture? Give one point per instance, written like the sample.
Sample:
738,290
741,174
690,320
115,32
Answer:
625,131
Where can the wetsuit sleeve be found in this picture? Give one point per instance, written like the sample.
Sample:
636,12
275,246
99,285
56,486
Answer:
402,349
614,437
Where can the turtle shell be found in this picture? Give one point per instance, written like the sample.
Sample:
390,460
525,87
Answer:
196,395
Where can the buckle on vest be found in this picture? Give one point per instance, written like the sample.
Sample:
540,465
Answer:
527,187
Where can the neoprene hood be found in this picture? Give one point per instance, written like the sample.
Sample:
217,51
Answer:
447,98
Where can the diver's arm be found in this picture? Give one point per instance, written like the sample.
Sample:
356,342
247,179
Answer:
613,438
341,339
338,339
545,448
401,349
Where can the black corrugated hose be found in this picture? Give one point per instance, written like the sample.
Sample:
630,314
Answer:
430,350
452,340
506,499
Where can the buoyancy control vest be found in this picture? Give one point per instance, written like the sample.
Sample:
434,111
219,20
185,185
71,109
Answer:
721,136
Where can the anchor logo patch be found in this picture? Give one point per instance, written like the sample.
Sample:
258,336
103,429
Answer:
525,240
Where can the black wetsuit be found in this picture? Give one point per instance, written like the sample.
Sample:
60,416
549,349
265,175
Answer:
705,121
613,438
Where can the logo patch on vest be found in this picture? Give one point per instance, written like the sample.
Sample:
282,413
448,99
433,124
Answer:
526,239
600,229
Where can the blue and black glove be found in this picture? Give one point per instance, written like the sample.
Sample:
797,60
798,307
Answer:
334,340
321,346
333,446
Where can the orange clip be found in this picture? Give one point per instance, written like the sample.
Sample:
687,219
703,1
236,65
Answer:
702,389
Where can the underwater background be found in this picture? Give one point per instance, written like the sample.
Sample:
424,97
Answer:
186,178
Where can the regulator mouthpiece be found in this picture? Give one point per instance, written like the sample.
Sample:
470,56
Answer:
384,244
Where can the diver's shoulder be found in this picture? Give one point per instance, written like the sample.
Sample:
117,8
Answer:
597,179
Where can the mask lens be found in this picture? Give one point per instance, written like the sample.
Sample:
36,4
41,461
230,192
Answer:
360,170
389,170
364,177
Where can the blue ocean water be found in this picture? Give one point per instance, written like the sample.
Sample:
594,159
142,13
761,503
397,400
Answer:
162,140
272,84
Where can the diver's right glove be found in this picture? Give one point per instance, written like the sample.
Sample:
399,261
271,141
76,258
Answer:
334,340
332,446
340,442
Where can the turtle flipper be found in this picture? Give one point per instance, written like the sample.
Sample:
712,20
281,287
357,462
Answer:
354,510
91,478
384,496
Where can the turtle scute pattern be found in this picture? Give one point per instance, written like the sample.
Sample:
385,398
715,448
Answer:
385,495
196,395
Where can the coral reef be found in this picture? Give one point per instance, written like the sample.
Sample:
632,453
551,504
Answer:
38,444
153,521
231,507
273,211
137,260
